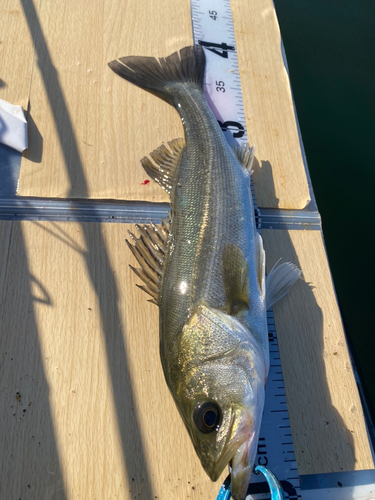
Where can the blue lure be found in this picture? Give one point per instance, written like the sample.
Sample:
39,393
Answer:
274,485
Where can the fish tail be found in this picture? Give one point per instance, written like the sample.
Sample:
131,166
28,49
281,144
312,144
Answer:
159,75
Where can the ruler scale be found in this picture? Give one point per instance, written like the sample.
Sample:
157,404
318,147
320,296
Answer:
213,29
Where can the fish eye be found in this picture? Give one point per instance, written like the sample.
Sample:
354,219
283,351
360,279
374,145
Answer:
207,416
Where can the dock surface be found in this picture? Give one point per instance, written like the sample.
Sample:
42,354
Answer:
85,409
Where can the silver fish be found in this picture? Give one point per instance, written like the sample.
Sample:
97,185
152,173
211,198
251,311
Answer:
205,269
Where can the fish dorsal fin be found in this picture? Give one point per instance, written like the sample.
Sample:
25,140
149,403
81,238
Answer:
279,281
236,279
166,161
149,250
245,155
261,263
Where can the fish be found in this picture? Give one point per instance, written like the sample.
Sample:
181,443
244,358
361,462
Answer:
204,267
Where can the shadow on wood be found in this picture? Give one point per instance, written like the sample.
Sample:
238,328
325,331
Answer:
10,162
34,152
95,258
322,441
29,457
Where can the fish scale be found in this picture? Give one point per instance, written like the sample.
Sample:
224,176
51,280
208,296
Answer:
218,296
213,28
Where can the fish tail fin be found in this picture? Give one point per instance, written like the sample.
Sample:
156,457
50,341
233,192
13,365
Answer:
159,75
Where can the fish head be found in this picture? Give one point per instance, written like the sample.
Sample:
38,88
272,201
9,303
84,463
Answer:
220,393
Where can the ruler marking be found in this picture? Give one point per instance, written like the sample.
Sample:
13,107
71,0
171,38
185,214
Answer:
275,441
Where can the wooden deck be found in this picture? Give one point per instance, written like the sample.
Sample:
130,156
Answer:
85,409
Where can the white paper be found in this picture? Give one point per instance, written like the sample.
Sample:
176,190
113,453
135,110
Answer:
13,126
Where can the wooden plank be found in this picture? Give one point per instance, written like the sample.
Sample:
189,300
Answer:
328,426
85,409
16,54
96,127
279,175
5,232
79,343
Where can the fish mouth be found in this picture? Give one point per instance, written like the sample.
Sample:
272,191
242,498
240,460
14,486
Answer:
240,454
234,449
242,465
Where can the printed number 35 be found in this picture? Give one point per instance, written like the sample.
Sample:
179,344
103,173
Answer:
220,86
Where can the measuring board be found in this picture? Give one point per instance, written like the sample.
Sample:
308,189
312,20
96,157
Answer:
213,29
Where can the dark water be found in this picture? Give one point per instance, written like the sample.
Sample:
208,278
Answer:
330,48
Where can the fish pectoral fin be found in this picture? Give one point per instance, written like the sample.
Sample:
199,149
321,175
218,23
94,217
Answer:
245,155
261,263
164,163
279,281
236,279
149,250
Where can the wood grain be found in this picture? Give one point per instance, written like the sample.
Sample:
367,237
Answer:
96,127
5,234
85,409
279,175
16,54
328,426
92,128
86,412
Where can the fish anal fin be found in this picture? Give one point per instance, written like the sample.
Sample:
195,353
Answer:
152,283
148,291
148,251
245,155
164,162
279,281
236,279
